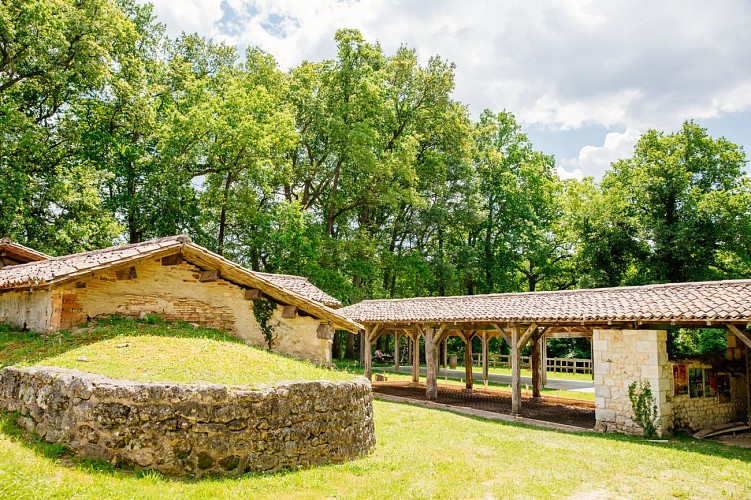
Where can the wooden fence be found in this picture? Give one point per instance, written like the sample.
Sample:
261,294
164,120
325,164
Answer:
561,365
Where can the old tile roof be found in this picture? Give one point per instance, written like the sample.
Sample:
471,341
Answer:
69,267
680,303
301,285
55,269
19,253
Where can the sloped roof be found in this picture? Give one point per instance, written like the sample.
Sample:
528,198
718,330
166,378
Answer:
698,303
19,253
301,285
56,270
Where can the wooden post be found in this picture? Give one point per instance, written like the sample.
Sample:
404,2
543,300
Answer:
468,359
396,351
416,357
516,389
536,362
544,356
485,345
445,344
367,357
431,358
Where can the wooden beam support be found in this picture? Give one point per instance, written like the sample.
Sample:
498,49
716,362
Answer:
209,275
516,390
366,355
536,362
416,357
469,376
253,294
325,331
172,260
289,312
431,358
485,351
740,334
527,335
396,351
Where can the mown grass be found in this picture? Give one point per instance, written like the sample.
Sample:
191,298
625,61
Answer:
421,453
18,347
149,358
156,351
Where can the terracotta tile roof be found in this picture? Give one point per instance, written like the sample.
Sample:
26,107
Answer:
720,301
283,288
18,252
301,285
55,269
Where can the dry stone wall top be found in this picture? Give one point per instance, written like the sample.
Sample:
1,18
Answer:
194,430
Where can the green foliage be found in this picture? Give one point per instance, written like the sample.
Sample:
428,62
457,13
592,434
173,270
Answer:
644,406
360,172
689,341
263,310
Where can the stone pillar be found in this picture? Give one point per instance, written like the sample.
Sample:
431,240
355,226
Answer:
620,358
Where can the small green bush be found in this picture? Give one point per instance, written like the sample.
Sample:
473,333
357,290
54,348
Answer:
644,406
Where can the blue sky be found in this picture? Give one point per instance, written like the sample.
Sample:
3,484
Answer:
584,77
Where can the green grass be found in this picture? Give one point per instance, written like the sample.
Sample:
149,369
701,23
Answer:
421,453
184,360
159,352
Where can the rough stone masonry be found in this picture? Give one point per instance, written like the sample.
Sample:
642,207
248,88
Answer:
192,430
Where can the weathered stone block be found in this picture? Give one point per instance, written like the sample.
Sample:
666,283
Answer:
194,430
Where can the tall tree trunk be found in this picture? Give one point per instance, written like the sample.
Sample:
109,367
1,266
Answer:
349,349
223,216
336,348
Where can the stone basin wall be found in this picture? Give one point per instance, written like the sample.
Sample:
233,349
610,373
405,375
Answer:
194,430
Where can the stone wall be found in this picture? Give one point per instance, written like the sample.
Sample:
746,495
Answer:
192,430
173,292
620,358
692,414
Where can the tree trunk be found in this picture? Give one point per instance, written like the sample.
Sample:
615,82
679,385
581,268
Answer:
349,349
336,347
223,216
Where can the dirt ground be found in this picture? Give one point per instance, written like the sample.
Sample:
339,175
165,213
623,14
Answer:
562,411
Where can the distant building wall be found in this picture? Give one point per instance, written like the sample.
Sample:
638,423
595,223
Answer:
173,292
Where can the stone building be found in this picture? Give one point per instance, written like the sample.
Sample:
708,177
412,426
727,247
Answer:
173,278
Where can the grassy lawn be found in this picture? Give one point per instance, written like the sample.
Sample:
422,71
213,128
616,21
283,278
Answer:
183,360
421,453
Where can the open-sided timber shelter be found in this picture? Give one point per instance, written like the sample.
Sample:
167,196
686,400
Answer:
170,277
628,329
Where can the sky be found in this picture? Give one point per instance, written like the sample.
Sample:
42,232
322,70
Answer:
584,78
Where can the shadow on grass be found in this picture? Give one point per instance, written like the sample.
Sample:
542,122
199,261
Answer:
23,347
680,442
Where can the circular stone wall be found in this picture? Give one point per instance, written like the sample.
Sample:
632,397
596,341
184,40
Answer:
193,430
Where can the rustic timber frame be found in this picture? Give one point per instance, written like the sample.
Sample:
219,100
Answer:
532,318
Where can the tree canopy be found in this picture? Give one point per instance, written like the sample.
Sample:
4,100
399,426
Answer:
362,172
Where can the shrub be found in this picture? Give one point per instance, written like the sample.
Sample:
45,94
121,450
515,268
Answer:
644,406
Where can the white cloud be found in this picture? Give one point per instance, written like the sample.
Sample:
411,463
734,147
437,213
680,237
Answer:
557,64
594,160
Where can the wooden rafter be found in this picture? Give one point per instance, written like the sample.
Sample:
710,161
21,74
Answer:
740,334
